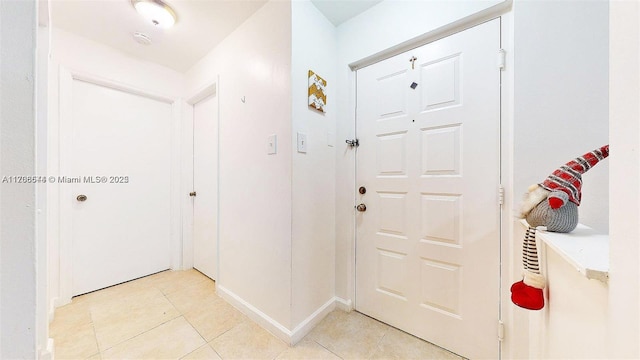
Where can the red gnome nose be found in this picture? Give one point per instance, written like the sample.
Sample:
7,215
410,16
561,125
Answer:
555,203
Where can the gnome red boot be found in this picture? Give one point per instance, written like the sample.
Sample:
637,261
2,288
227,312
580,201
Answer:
528,293
517,286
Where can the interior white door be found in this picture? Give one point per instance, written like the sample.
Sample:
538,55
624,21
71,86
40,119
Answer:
120,160
205,184
428,244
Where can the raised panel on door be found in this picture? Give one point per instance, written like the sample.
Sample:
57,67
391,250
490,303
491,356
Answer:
120,158
427,247
205,184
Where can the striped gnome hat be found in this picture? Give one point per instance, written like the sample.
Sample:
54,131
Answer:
568,178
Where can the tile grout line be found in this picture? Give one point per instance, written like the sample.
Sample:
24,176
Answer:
95,336
206,343
224,332
150,286
182,289
144,332
377,348
329,350
196,349
245,320
90,310
180,314
215,351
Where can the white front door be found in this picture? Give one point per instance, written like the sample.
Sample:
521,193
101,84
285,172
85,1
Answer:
428,244
119,159
205,185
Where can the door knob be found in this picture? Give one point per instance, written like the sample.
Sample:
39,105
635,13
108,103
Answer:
361,207
81,198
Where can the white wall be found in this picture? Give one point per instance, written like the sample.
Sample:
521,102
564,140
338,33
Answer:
623,327
379,28
276,243
86,56
395,21
2,104
18,294
314,47
254,64
78,54
561,96
43,42
573,324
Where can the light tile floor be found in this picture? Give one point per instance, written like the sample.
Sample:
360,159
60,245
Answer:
177,315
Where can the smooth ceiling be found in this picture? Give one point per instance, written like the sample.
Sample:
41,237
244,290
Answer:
201,25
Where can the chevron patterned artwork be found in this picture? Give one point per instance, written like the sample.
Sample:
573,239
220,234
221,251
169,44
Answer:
317,92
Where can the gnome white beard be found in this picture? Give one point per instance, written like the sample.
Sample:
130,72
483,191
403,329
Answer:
534,196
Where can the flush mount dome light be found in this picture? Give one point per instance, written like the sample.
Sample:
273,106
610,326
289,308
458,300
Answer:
156,11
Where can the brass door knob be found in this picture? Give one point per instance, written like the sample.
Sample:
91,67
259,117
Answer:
361,207
81,197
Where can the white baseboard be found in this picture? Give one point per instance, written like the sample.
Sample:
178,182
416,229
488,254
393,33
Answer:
311,321
62,301
291,337
47,354
344,305
256,315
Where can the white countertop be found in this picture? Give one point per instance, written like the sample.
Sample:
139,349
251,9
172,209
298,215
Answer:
583,248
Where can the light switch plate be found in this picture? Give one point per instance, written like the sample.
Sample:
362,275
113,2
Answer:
272,144
302,143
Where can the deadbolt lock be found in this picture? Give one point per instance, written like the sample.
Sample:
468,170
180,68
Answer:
362,190
361,207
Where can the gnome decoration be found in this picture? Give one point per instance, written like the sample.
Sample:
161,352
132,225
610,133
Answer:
554,204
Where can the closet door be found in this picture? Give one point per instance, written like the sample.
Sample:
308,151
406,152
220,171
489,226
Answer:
118,183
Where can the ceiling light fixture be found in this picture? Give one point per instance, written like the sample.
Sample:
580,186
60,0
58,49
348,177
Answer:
156,11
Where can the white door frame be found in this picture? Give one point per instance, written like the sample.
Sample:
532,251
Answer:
64,128
209,89
509,268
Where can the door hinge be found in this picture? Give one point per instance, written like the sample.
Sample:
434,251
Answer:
502,59
500,330
193,193
353,143
501,194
